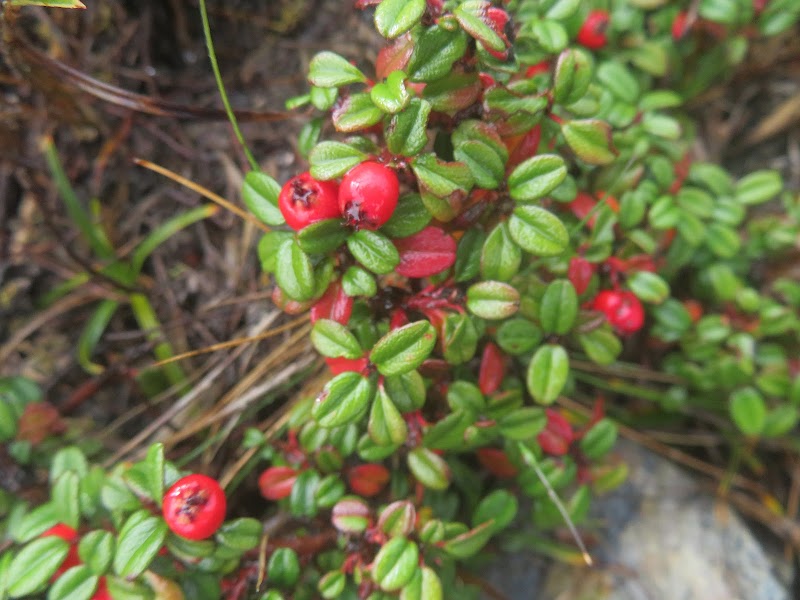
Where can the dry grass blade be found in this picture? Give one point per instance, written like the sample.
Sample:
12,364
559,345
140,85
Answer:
785,115
206,193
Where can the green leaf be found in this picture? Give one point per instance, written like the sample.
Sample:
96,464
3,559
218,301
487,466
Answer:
303,499
268,249
424,585
547,373
599,440
328,69
260,194
485,164
395,564
407,391
391,96
91,334
408,218
394,17
661,126
471,542
573,74
429,468
322,237
440,177
518,336
435,52
64,496
240,534
334,340
468,255
404,348
453,93
559,307
758,187
536,177
293,271
748,411
492,300
96,549
648,287
344,399
471,15
500,257
358,282
330,160
550,35
407,131
522,423
386,425
459,338
590,140
77,583
138,543
601,345
373,250
283,569
617,79
30,570
499,506
356,112
538,231
155,471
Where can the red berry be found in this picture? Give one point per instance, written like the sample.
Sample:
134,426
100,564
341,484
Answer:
592,33
194,507
622,309
68,534
277,482
342,365
304,200
368,195
679,25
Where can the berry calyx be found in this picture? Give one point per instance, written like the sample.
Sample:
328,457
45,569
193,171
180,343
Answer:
304,200
194,507
368,195
592,33
622,309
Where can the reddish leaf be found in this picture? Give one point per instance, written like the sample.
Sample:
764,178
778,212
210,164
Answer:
277,482
368,480
394,57
557,435
38,421
524,147
496,462
580,273
334,305
426,253
493,369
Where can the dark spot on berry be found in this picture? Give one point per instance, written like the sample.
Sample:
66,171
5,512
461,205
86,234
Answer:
301,194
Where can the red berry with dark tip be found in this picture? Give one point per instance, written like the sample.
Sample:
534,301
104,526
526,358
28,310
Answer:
194,507
592,33
622,309
368,195
304,200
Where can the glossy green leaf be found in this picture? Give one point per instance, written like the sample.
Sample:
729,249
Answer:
429,468
536,177
547,373
499,506
492,300
240,534
404,349
374,251
559,307
440,177
424,585
283,568
138,545
471,542
96,549
471,15
260,195
549,35
293,272
395,17
33,566
330,160
590,140
758,187
328,69
468,255
538,231
573,74
748,410
356,112
77,583
500,257
358,282
344,399
599,440
386,425
407,131
518,336
435,52
408,218
322,237
601,345
522,423
391,96
334,340
395,564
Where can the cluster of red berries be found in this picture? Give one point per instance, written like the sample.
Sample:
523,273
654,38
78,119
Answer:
366,197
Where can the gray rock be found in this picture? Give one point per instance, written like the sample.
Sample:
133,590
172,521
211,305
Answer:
666,538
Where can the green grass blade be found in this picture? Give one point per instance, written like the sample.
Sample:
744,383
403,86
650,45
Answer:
92,333
148,320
